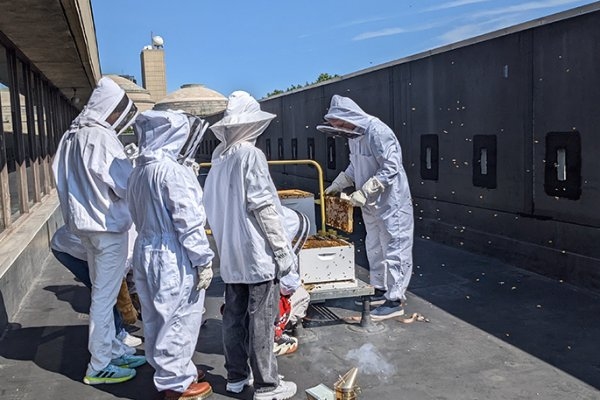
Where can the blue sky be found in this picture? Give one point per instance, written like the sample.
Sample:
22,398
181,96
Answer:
260,45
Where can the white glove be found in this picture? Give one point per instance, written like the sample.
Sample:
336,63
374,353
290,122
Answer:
341,182
131,151
372,187
286,261
358,198
205,275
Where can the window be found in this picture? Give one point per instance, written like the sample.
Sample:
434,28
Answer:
562,177
268,149
484,161
28,132
294,149
331,164
280,149
310,151
429,157
10,182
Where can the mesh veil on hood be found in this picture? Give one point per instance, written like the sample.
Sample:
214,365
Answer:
243,121
345,109
107,98
161,133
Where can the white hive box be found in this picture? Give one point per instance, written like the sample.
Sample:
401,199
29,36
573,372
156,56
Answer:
300,201
331,263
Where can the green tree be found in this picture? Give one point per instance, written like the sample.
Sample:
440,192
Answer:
321,78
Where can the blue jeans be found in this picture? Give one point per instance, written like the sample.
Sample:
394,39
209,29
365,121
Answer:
80,269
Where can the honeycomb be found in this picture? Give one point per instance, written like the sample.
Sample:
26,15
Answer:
339,214
316,242
293,194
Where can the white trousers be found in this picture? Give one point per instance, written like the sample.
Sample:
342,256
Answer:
389,245
172,315
106,253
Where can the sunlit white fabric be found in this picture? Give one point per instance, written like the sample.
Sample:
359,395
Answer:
165,200
239,191
388,213
91,172
91,168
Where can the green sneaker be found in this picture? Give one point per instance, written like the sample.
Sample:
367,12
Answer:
110,374
128,361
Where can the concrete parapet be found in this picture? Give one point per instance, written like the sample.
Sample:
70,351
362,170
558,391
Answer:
23,253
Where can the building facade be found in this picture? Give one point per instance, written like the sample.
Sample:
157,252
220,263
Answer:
48,68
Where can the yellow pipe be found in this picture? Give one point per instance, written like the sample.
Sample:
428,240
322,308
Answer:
321,182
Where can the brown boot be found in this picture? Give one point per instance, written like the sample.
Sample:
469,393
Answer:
196,391
124,305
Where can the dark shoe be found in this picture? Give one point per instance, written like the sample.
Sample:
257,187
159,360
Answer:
201,375
376,299
196,391
389,309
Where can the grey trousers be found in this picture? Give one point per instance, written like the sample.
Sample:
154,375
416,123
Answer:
248,333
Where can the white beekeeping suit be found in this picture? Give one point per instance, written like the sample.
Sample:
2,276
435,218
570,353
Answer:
376,170
244,213
165,200
91,172
248,218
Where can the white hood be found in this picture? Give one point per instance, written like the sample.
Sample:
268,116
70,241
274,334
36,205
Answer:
243,121
107,97
160,133
345,109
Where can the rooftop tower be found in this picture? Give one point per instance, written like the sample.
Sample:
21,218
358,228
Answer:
154,77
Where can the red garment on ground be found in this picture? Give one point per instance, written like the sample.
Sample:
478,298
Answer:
285,309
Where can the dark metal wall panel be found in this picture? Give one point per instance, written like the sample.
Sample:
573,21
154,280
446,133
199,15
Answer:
566,68
302,112
268,141
410,144
508,91
483,89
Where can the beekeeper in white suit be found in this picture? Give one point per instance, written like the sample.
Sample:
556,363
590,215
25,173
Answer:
91,172
171,259
244,213
382,192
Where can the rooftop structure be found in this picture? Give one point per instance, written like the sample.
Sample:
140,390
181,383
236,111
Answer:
195,99
140,96
154,77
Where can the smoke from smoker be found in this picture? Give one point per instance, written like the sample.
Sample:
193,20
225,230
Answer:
370,362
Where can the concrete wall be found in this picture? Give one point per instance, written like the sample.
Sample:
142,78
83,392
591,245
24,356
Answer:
22,254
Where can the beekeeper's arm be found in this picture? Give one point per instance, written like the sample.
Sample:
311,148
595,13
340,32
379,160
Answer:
385,149
183,197
261,202
105,159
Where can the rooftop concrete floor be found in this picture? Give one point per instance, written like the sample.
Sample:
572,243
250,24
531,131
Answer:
496,332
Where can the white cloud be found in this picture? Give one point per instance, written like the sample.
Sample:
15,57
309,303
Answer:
398,30
475,29
529,6
362,21
383,32
453,4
